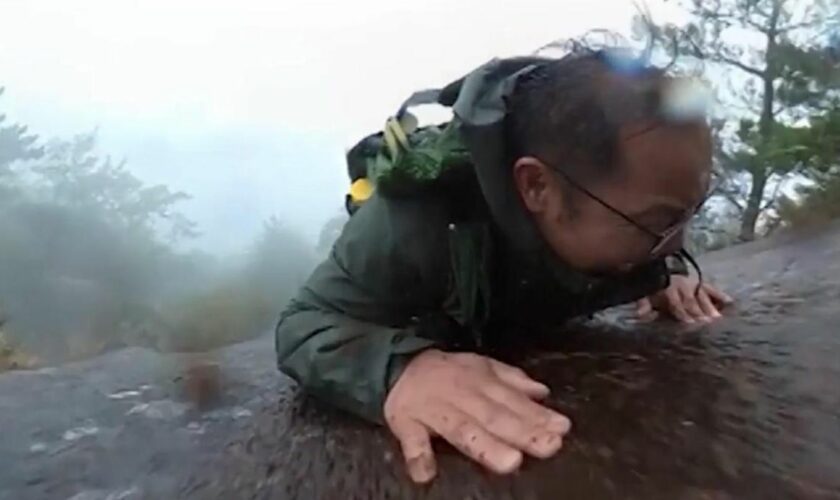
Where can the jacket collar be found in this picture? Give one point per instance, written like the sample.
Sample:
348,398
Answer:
481,107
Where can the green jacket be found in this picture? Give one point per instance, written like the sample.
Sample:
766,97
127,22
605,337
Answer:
405,275
453,268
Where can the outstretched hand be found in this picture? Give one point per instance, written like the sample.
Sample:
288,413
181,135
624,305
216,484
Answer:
680,302
484,408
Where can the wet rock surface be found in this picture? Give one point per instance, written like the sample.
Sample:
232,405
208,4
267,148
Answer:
746,408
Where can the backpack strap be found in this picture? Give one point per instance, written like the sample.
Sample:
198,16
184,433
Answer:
428,96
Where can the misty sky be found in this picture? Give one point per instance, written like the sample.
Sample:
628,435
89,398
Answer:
249,105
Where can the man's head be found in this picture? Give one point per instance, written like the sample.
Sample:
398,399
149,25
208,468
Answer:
600,167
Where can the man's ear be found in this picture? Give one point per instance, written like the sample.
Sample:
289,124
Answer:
535,182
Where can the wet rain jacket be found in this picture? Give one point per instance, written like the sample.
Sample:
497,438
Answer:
443,269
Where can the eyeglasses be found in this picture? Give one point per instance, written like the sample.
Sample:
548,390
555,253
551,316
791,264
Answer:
660,239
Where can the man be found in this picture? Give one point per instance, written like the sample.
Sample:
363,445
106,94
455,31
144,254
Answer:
586,173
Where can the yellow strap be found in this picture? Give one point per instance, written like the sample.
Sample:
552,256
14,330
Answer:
395,137
399,133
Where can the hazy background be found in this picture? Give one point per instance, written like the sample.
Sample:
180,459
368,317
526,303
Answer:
171,171
249,105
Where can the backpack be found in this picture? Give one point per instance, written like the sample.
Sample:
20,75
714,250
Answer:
405,159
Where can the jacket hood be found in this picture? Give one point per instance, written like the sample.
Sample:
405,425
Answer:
481,108
479,102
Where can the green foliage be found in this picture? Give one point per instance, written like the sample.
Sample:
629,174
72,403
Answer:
818,200
75,176
88,263
15,144
786,149
818,203
823,138
781,73
12,357
808,74
247,302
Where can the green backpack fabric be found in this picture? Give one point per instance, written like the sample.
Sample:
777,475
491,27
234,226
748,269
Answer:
405,159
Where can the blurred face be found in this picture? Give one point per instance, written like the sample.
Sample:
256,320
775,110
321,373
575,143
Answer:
662,178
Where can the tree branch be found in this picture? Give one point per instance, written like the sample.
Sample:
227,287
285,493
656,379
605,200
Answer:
764,29
734,201
803,24
761,28
698,52
738,64
729,195
755,7
717,15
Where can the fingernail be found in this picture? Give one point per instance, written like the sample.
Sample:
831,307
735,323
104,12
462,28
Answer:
421,469
509,461
559,424
546,444
541,387
540,394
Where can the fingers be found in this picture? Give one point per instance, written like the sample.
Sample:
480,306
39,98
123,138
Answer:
465,434
691,304
489,414
706,304
522,434
692,307
686,303
717,295
675,304
644,308
416,445
518,379
527,409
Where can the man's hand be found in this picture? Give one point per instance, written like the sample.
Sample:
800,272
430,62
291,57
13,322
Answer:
484,408
680,302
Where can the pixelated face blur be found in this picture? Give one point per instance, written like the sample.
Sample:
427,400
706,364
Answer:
633,215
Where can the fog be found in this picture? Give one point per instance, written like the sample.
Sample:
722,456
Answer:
169,168
249,105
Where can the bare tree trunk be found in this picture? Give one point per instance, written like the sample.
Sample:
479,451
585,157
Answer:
753,208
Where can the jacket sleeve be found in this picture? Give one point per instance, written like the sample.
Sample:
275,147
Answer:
352,327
